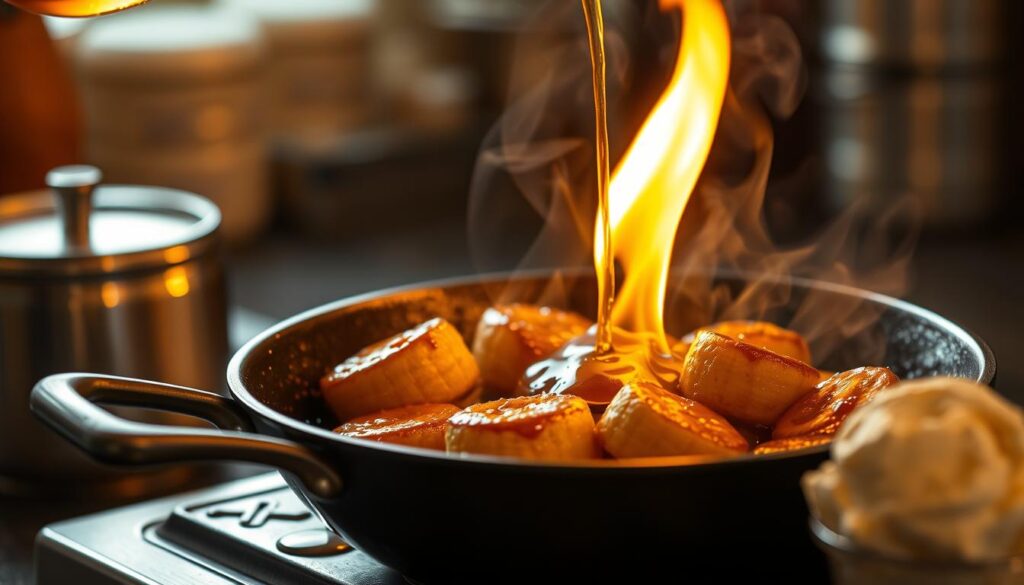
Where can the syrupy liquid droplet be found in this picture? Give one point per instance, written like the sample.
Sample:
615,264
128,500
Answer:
579,369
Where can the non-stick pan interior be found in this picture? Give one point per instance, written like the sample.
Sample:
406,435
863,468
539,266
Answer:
282,368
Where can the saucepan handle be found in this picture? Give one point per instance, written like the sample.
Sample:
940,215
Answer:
68,404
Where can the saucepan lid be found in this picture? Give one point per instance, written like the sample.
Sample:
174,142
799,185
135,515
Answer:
78,227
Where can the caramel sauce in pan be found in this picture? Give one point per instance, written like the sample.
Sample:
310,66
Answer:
754,434
580,370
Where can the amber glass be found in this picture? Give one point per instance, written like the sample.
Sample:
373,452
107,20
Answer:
75,7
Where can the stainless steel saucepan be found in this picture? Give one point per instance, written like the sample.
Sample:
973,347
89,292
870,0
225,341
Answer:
114,279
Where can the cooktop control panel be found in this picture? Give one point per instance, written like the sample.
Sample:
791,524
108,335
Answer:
246,532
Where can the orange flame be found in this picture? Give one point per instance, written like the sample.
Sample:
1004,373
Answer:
657,175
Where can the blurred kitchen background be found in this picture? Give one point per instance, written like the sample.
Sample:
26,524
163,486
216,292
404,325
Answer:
339,136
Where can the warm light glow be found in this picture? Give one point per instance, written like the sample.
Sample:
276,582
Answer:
110,294
176,254
656,177
176,281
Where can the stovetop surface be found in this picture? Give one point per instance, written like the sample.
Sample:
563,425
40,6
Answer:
244,532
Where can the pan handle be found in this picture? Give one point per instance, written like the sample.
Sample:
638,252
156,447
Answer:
68,404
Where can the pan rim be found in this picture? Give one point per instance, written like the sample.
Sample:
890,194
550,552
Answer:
982,352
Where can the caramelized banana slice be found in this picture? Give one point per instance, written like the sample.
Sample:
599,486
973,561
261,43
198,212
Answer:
822,411
509,338
743,381
761,334
421,425
426,364
645,420
545,427
791,444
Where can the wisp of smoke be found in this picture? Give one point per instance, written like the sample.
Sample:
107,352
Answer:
532,190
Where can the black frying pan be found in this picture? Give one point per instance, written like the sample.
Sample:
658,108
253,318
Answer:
441,519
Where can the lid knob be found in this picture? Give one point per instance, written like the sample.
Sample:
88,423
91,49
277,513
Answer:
74,185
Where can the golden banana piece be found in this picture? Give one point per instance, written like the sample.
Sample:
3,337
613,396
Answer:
743,381
421,425
510,338
761,334
822,412
546,427
645,420
429,363
791,444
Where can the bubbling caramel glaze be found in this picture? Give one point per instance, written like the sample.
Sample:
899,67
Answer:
791,444
549,427
579,370
429,363
645,420
742,381
509,338
822,411
759,334
421,425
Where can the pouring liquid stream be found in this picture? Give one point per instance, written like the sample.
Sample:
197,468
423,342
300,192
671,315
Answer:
604,262
639,209
596,365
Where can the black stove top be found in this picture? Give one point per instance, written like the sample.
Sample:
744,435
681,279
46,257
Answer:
245,532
